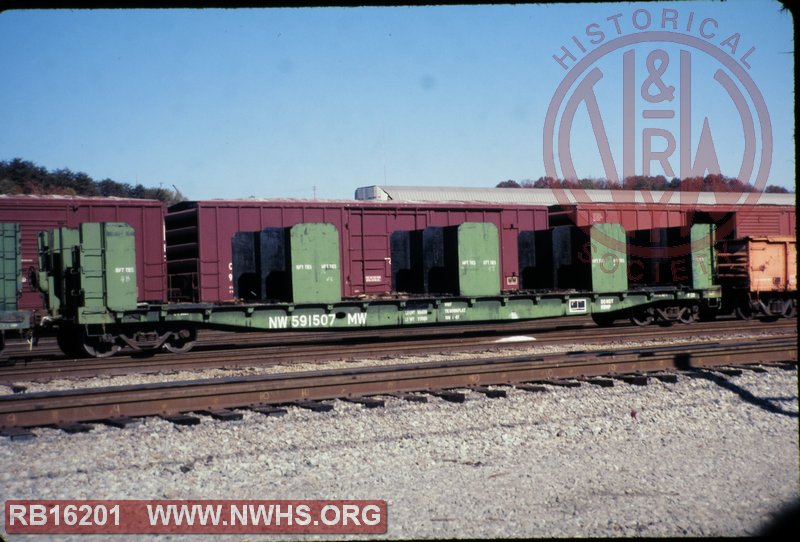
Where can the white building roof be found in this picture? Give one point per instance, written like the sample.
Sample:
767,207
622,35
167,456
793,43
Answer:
550,196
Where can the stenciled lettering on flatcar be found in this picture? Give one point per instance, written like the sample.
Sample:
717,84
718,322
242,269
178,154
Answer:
302,321
356,319
607,303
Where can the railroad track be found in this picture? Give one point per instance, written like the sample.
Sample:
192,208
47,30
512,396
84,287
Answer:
209,339
338,347
266,393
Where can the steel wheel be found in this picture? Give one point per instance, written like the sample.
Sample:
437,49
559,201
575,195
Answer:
603,320
181,342
641,317
179,347
687,316
98,348
744,311
70,340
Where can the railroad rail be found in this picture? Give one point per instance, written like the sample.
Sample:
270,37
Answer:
119,405
210,339
336,346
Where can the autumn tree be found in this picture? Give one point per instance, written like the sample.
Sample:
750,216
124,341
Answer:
19,176
709,183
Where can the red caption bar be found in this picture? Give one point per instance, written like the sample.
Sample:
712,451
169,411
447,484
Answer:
195,517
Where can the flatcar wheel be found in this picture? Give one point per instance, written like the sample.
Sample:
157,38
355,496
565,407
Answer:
179,347
744,311
98,348
603,320
181,342
687,316
69,340
789,310
641,318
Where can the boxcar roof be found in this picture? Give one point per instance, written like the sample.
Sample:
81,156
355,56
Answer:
60,198
376,204
549,196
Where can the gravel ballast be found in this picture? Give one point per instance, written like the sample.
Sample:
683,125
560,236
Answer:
713,455
511,347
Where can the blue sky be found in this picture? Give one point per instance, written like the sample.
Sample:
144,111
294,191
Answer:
296,102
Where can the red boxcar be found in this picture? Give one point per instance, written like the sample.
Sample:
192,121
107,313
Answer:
733,221
632,216
39,213
659,232
756,221
199,234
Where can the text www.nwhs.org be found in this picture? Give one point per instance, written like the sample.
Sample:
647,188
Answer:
195,516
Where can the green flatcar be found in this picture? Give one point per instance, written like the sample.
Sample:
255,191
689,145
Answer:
292,279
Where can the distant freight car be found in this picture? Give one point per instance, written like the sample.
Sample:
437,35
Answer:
39,213
759,276
654,233
659,233
12,320
763,220
736,214
200,239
